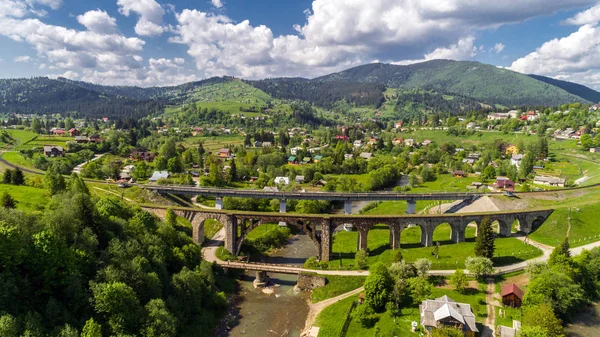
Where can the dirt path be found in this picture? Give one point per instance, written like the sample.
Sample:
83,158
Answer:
490,320
314,309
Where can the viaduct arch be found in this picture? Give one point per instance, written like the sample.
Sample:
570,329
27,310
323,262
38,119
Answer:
320,228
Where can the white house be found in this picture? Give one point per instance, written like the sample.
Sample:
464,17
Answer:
157,175
282,180
357,143
516,159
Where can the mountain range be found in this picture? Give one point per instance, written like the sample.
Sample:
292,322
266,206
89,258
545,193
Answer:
366,85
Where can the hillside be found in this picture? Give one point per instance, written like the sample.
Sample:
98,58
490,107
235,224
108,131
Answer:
485,83
573,88
434,86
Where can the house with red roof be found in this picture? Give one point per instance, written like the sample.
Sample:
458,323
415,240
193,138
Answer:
512,295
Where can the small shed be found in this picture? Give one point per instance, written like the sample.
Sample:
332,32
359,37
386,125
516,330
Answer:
459,174
512,296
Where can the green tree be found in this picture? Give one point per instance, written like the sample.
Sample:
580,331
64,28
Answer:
201,150
561,256
489,173
119,304
526,165
159,322
397,256
233,172
8,201
586,142
36,126
534,331
174,165
543,317
160,163
91,329
378,286
484,244
17,177
7,176
78,185
54,180
422,265
171,217
557,289
9,327
365,315
459,280
479,266
169,149
420,289
360,258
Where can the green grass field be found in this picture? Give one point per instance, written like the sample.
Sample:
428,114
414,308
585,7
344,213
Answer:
45,140
336,285
213,143
21,137
331,320
585,228
451,255
28,198
441,136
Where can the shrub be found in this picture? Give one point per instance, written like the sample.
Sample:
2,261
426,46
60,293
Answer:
361,259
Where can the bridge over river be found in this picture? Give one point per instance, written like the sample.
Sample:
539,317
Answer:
320,228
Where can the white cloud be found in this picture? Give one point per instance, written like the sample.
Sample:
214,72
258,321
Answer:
21,8
217,3
23,59
98,21
342,33
590,16
574,58
498,48
150,13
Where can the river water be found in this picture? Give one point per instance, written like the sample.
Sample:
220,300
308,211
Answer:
586,323
281,313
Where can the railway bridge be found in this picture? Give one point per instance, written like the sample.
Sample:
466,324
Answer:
283,196
320,228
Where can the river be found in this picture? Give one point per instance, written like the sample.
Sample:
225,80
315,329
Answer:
586,323
282,313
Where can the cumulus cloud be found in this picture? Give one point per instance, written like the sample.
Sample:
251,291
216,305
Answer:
498,48
150,16
21,8
217,3
98,21
342,33
23,59
574,58
590,16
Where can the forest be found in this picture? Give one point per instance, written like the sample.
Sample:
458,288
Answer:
87,267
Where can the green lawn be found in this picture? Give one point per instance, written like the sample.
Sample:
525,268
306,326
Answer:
331,320
21,137
211,227
441,136
336,285
45,140
451,255
585,228
29,198
511,314
387,326
214,143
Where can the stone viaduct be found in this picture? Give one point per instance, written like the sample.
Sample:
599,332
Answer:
320,228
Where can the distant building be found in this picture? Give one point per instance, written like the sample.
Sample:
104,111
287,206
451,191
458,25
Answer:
317,159
282,180
157,175
348,156
60,132
357,143
511,149
366,155
140,154
504,183
95,138
295,150
74,132
444,311
550,181
53,151
81,139
225,153
459,174
516,159
267,144
595,149
293,160
299,179
508,331
409,142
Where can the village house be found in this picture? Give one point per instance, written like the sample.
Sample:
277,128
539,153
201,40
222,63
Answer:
357,143
157,175
498,116
73,132
53,151
267,144
81,139
225,153
317,159
459,174
282,180
426,142
293,160
469,161
515,160
366,155
444,311
550,181
511,149
95,138
140,154
348,156
504,183
512,296
397,141
398,125
299,179
257,143
320,183
409,142
306,160
472,125
474,155
294,150
59,132
595,149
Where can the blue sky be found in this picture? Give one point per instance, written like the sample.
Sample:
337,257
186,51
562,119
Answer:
153,42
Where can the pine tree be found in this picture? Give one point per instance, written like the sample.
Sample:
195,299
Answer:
233,171
7,177
561,254
17,177
8,201
484,245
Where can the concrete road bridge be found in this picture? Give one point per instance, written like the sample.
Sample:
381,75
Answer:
347,198
320,228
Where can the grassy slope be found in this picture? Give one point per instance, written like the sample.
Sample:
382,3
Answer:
336,285
29,198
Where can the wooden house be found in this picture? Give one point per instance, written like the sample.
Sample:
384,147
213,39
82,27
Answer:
512,296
